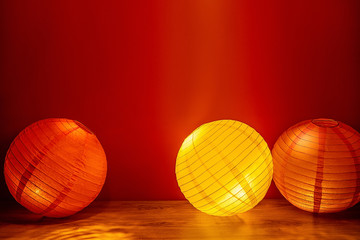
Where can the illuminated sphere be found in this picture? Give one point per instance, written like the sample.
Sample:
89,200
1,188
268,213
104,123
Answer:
224,168
55,167
317,165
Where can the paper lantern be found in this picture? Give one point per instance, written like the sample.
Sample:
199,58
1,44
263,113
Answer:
317,165
224,168
55,167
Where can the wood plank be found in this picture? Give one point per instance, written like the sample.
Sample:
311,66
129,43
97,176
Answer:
271,219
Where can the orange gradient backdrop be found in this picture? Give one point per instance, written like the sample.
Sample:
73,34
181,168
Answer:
143,74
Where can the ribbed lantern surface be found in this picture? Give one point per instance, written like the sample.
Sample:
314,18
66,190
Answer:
55,167
317,165
224,168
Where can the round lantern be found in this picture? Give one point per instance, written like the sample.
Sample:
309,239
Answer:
317,165
224,168
55,167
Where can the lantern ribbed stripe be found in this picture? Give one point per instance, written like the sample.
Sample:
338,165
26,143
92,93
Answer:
211,168
55,167
50,182
29,200
262,190
224,168
235,203
317,165
39,180
39,171
355,197
36,205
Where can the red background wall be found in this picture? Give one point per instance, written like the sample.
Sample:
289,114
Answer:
143,74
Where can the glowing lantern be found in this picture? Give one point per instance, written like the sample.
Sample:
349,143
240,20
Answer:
224,168
55,167
317,165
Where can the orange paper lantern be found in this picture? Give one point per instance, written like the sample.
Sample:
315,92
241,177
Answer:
55,167
317,165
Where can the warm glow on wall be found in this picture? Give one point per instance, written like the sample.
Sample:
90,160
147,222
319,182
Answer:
55,167
317,165
224,168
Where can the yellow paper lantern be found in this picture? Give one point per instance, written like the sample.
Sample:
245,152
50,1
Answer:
317,165
224,168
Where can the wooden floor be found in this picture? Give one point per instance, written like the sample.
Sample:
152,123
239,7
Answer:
271,219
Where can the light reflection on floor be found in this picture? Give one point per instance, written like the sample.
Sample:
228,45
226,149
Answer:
271,219
99,231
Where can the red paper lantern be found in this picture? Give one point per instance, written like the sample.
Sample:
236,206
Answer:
317,165
55,167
